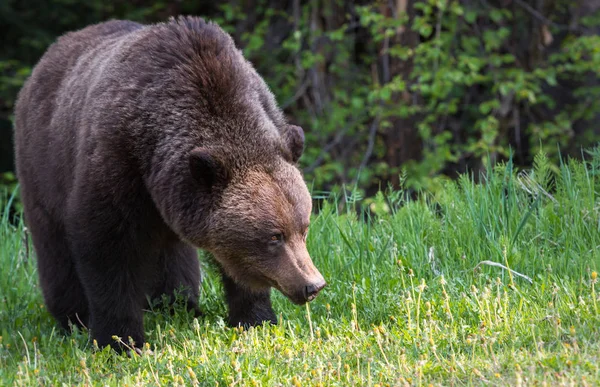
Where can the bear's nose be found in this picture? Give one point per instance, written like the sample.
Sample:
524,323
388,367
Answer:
311,291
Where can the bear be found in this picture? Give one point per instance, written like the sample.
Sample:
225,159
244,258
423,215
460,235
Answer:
136,145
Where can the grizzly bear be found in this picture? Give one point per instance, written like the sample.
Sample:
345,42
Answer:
138,144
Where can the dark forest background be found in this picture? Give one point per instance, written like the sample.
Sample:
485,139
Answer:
397,92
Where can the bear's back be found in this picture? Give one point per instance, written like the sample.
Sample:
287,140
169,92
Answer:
56,64
44,138
112,93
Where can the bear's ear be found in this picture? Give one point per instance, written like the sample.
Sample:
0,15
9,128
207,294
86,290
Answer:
207,169
295,141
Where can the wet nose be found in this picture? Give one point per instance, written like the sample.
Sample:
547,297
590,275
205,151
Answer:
311,291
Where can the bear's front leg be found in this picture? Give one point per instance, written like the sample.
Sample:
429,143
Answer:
115,294
247,308
113,264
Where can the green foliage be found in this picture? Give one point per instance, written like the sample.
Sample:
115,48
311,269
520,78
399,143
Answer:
413,298
9,188
462,86
438,88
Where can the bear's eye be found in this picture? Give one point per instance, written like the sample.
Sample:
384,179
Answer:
275,238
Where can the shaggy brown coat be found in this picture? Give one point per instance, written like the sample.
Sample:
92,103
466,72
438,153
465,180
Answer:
135,145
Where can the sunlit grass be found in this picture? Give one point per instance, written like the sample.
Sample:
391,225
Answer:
408,300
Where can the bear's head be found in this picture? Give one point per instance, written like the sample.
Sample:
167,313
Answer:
259,223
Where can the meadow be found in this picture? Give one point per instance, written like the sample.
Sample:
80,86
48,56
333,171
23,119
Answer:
491,280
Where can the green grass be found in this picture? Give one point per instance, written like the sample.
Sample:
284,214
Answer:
408,301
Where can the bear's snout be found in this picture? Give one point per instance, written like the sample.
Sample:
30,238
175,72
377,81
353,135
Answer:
311,291
307,290
298,279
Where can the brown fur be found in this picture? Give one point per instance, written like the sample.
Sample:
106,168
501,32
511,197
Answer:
135,143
